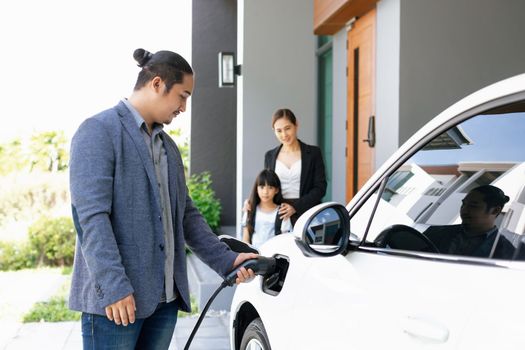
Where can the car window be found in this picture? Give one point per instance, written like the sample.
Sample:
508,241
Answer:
460,194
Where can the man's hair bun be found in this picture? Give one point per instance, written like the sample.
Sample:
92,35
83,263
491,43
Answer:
142,57
167,65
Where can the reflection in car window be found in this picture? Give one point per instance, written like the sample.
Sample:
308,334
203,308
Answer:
462,193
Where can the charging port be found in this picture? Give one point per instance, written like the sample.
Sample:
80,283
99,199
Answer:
273,283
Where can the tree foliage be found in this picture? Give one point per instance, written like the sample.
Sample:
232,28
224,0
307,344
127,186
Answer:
12,157
48,151
183,145
43,151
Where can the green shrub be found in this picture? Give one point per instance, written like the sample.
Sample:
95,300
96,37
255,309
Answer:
194,308
53,240
54,310
51,243
203,196
16,256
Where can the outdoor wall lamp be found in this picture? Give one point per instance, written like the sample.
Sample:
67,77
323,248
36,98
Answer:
227,69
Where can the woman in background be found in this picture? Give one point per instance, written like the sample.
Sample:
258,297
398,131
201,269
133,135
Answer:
300,167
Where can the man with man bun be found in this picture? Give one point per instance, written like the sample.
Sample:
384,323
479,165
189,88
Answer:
133,215
477,233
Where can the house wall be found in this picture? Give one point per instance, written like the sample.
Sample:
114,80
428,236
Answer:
450,48
387,80
213,122
277,51
339,117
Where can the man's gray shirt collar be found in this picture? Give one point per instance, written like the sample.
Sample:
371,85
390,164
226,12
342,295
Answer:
139,120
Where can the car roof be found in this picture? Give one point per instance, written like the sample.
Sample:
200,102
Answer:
495,91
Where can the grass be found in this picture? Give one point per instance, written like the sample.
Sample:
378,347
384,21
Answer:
56,309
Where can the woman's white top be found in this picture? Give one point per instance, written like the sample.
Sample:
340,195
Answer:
290,178
265,226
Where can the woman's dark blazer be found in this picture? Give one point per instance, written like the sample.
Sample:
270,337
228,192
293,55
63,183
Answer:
313,179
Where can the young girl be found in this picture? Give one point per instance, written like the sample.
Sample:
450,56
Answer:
263,222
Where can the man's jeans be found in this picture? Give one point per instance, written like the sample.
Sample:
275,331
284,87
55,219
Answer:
154,332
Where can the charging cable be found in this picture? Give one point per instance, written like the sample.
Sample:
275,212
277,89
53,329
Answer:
261,266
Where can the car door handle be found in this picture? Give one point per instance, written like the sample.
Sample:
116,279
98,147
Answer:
425,329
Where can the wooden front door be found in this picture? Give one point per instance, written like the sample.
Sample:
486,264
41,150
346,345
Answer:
360,134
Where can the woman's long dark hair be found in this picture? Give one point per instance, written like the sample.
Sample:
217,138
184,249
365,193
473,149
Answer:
266,177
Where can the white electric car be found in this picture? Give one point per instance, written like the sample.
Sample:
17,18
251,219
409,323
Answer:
367,276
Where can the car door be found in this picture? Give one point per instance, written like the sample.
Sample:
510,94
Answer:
393,289
374,300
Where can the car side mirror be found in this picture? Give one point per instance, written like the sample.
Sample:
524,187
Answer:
323,230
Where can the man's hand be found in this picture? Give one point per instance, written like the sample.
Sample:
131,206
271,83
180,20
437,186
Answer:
244,275
123,311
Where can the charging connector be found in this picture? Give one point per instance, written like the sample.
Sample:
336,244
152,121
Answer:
261,266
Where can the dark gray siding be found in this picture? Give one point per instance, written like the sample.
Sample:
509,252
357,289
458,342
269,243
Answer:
213,124
451,48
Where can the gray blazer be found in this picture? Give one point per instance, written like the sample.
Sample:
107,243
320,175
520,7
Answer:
116,211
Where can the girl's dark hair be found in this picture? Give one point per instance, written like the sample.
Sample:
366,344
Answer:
284,113
265,177
167,65
492,195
